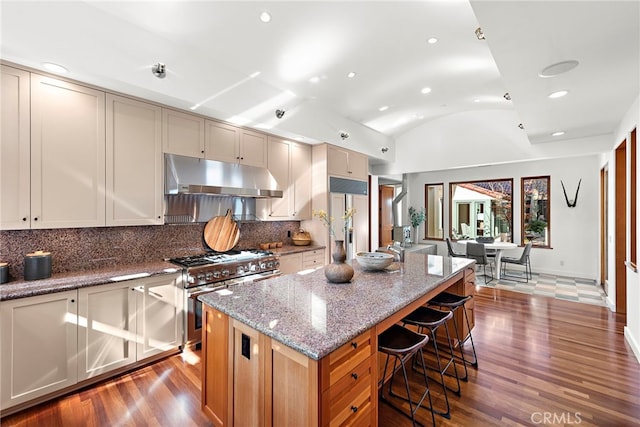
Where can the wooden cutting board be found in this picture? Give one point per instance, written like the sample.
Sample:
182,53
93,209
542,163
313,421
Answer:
222,233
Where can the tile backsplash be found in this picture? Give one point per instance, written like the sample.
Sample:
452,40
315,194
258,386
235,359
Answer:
76,249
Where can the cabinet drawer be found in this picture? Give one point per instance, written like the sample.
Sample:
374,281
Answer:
470,276
313,259
345,359
351,406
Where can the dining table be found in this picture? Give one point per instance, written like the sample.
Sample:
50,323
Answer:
498,246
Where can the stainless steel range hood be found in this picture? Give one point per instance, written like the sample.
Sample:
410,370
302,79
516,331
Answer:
191,175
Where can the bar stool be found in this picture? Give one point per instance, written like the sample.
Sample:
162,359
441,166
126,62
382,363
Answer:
401,344
455,302
431,319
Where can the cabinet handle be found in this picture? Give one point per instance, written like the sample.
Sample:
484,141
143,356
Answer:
35,218
73,300
354,344
354,375
24,218
354,408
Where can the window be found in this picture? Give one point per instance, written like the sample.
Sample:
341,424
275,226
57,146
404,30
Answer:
536,210
481,208
433,196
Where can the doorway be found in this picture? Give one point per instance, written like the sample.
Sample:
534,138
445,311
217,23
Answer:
385,209
621,227
604,229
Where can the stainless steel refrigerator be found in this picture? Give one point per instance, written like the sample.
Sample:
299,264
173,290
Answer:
347,194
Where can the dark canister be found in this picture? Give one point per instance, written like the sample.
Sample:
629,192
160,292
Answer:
37,265
4,272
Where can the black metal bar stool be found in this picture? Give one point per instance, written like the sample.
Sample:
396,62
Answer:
455,302
431,319
401,344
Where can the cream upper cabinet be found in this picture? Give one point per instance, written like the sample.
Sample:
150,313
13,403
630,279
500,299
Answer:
347,163
15,146
39,342
134,162
222,141
290,164
227,143
67,154
182,133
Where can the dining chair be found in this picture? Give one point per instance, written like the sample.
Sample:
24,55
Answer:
478,252
524,260
453,253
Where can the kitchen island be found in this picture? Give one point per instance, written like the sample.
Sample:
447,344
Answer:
297,350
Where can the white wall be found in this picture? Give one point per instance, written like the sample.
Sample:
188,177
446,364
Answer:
574,231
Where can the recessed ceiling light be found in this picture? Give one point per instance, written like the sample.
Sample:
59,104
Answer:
383,108
559,133
314,79
425,90
54,68
432,40
351,74
558,68
265,17
558,94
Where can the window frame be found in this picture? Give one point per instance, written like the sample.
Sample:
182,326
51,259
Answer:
428,212
547,211
509,217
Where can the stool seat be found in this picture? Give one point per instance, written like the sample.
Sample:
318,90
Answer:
446,299
427,317
398,340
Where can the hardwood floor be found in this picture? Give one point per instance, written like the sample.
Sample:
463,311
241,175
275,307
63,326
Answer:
542,361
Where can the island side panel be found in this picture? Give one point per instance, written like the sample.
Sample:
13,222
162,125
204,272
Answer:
217,379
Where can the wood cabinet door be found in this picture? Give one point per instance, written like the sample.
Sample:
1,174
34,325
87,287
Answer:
106,337
222,142
182,133
134,162
67,154
358,166
39,338
338,161
15,145
217,370
291,263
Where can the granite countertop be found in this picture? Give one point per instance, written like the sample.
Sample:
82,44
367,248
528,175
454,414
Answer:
67,281
314,317
294,249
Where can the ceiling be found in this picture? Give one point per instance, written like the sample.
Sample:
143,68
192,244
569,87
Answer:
223,62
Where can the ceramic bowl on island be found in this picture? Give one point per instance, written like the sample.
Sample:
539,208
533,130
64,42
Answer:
374,260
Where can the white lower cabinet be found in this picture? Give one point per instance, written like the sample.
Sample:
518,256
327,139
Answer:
39,338
107,324
54,341
293,263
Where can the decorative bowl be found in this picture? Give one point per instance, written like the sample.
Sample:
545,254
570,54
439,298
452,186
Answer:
374,260
297,241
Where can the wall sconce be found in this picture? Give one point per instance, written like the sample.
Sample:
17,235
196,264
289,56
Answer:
159,70
344,135
479,33
384,149
280,113
507,96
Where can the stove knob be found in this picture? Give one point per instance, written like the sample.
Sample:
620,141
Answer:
225,273
216,274
240,269
254,267
263,265
200,276
209,276
276,264
270,264
190,278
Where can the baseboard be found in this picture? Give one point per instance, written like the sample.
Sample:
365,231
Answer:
563,273
632,343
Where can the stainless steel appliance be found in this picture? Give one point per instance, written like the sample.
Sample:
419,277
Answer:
215,271
350,194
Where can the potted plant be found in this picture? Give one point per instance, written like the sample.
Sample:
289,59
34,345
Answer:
536,227
417,217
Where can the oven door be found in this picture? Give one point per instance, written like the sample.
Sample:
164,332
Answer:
194,312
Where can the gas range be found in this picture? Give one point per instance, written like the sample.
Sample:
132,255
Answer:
225,268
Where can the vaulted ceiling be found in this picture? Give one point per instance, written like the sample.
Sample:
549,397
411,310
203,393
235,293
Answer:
223,61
